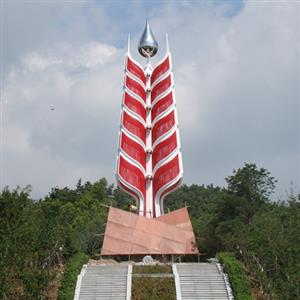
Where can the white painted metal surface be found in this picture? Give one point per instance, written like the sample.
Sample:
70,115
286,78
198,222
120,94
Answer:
149,182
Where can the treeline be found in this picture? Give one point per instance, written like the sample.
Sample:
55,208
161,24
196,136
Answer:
36,237
265,235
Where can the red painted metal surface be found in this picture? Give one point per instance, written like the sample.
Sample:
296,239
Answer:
165,174
161,106
135,87
144,145
161,87
134,106
164,149
133,149
163,126
134,126
161,69
135,70
133,176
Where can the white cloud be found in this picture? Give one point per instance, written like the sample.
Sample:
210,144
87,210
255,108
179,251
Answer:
57,104
87,56
237,88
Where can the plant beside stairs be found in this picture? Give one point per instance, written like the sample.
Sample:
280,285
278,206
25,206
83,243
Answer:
72,269
238,279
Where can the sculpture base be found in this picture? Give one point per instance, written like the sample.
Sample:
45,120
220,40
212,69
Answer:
130,234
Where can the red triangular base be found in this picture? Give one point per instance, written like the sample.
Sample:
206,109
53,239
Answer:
130,234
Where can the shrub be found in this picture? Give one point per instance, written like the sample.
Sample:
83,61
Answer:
72,269
238,278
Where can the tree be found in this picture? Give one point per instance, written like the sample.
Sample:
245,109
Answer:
253,186
252,183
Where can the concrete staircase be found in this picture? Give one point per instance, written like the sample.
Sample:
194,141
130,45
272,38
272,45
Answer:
201,281
103,282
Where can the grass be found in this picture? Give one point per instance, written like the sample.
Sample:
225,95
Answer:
150,288
152,269
237,275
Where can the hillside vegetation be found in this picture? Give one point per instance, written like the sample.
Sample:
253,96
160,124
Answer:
37,236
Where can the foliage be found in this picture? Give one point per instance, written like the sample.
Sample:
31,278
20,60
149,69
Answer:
72,269
123,199
270,248
153,288
23,272
242,219
250,182
253,186
36,236
238,278
152,269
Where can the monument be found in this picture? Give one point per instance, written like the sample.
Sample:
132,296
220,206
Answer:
149,161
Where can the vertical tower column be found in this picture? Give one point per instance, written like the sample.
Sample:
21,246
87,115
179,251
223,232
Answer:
149,182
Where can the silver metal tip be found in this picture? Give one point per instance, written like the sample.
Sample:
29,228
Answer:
148,46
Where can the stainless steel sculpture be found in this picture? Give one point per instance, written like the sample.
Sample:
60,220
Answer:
148,46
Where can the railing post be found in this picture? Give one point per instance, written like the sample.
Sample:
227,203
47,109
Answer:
129,282
177,282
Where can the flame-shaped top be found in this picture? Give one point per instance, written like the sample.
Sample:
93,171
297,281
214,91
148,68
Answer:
148,46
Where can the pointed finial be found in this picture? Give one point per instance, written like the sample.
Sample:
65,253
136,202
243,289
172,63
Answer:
148,46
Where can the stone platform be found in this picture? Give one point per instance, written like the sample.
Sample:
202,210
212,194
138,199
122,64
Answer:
131,234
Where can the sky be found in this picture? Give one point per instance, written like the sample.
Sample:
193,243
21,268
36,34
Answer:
237,81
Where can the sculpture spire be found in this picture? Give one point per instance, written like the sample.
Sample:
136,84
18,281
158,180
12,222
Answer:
149,163
148,46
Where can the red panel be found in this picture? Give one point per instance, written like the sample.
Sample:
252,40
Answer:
135,87
163,149
133,149
163,126
134,126
135,105
160,69
132,175
165,174
161,105
161,87
137,71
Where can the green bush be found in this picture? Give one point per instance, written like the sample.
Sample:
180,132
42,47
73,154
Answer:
72,269
238,278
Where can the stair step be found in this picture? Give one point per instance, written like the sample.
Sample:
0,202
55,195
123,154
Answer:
201,281
104,283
